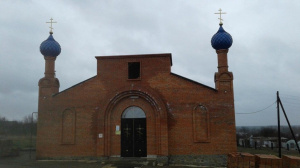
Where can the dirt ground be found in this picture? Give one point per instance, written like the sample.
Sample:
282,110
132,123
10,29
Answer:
24,161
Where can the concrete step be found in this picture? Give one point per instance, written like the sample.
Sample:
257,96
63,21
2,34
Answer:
131,162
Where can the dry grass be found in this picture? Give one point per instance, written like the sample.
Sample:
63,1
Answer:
22,142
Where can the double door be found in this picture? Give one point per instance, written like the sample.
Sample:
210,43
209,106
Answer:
133,137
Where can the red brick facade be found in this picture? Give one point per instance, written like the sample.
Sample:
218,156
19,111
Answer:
183,117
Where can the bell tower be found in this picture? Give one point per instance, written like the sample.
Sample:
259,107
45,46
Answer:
50,49
221,42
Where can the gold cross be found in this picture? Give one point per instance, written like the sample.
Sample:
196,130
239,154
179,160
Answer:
220,13
51,28
127,130
140,130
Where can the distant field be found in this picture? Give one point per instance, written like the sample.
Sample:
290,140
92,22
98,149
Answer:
22,142
268,151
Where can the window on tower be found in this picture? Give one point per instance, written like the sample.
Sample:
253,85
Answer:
134,70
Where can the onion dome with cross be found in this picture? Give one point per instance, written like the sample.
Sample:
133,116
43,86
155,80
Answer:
222,39
50,47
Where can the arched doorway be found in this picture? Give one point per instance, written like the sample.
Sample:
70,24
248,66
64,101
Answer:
133,133
156,117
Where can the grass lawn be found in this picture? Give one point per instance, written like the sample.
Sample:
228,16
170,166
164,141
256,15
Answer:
268,151
22,142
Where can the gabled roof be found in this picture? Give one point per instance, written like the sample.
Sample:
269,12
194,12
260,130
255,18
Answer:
138,56
193,81
184,78
74,85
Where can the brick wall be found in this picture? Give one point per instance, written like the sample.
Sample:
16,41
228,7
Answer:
290,161
246,160
241,160
264,161
171,103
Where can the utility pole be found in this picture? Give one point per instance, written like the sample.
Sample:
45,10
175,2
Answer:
279,134
31,134
279,104
287,120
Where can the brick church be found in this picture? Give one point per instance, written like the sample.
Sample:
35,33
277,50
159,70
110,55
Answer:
136,107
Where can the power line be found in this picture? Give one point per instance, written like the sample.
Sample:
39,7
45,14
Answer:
259,110
290,96
284,98
291,102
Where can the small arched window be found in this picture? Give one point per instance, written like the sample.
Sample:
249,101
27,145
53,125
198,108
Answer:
133,112
201,124
68,126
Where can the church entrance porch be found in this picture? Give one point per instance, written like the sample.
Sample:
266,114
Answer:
133,133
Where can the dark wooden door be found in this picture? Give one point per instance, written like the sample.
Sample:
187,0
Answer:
140,138
127,137
133,137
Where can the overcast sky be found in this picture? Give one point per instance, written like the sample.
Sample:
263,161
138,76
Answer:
264,57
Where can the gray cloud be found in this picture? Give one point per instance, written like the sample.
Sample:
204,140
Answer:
264,57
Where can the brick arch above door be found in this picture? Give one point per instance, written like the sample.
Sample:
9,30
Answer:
159,115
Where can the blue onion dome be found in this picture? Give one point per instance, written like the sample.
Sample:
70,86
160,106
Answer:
50,47
221,40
